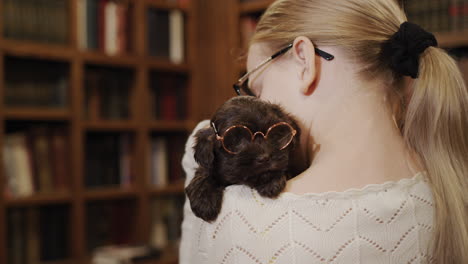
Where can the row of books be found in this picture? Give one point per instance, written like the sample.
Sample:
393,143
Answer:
438,15
36,160
110,223
109,160
36,20
104,25
107,93
33,83
165,159
35,235
168,98
166,34
167,216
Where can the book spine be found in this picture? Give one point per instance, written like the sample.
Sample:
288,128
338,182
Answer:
176,38
102,24
81,15
92,24
110,28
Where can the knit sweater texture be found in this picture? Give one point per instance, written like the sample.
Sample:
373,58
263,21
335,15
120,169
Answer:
390,222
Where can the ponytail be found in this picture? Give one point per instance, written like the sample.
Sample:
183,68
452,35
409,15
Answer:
436,127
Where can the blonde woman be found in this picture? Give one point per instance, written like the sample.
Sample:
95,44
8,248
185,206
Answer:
382,168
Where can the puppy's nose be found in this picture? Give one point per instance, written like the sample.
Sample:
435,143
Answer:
262,158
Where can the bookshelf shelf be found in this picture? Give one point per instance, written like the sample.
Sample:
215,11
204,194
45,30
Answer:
161,4
118,126
174,188
99,58
37,114
164,65
36,50
109,194
41,199
452,39
103,102
60,262
180,126
254,6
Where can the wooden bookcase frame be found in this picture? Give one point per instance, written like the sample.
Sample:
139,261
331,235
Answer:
212,34
141,124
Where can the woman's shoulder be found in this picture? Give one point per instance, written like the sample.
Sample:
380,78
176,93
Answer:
406,186
406,198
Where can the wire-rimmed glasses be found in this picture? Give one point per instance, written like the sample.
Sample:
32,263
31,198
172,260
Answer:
234,138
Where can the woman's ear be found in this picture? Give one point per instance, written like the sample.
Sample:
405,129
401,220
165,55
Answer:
304,54
204,147
205,196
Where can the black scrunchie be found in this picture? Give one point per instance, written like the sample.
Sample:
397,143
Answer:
402,50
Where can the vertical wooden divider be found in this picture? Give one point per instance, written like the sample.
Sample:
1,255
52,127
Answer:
142,133
77,223
3,209
78,227
3,212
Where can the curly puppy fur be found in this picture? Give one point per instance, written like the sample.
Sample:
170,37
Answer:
259,165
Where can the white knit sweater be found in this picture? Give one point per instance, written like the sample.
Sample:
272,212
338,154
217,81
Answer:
380,223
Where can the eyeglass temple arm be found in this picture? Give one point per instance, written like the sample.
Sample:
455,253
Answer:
214,128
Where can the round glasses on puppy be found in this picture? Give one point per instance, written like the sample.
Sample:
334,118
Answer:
236,137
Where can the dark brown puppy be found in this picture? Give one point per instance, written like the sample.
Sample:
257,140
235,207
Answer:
261,161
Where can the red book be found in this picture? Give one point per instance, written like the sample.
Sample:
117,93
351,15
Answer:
102,24
169,107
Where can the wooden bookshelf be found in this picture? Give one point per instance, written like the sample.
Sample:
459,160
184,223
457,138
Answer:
107,193
171,189
452,39
254,6
140,125
211,34
37,114
61,197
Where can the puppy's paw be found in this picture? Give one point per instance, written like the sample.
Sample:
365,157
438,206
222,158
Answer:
205,196
273,188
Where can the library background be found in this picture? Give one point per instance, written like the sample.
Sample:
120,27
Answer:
98,98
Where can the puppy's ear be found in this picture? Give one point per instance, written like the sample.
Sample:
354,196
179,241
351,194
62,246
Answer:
204,147
205,196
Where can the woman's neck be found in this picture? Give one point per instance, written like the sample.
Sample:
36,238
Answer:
357,144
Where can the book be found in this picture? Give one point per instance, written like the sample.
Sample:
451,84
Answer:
43,21
169,96
18,165
82,18
110,30
92,22
126,160
158,33
41,152
16,236
36,83
59,159
53,232
32,236
176,36
159,162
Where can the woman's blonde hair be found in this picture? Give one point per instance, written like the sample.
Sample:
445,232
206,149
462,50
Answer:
433,117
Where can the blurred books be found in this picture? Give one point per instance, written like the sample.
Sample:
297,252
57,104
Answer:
124,254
